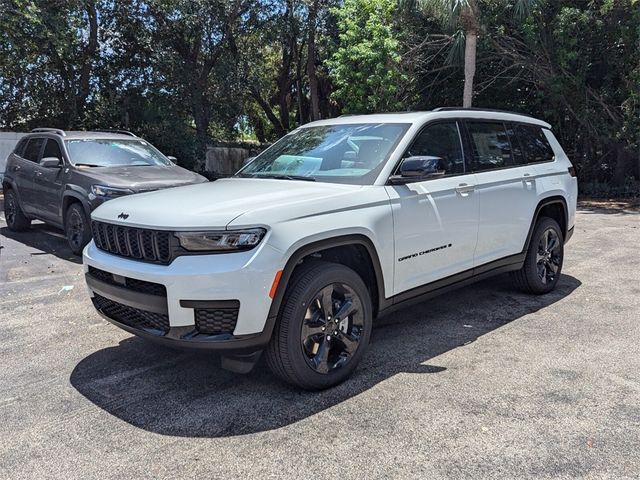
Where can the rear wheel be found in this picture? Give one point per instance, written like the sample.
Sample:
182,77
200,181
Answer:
77,228
543,263
323,328
16,219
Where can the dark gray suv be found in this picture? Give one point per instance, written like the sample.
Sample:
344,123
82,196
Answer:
60,177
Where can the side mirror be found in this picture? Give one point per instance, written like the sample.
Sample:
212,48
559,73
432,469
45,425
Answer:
417,168
51,162
172,158
247,161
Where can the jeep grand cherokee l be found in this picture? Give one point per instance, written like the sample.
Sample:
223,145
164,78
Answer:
330,227
59,177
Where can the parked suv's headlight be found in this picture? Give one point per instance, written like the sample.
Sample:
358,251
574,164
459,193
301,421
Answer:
102,191
221,240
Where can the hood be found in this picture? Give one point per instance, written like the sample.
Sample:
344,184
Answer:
141,178
216,204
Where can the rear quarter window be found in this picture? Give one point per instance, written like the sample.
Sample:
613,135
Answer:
534,143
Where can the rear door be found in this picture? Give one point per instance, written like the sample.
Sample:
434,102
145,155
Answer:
435,220
507,189
48,184
23,170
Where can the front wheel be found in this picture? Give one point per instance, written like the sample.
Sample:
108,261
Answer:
543,263
323,328
77,228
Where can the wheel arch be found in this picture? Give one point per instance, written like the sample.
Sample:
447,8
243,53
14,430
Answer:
69,197
333,248
554,207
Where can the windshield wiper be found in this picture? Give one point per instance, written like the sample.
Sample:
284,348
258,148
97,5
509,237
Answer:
288,177
87,165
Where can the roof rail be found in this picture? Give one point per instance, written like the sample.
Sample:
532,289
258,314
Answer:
121,132
474,109
49,130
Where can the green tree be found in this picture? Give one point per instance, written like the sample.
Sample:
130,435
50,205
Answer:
366,68
48,54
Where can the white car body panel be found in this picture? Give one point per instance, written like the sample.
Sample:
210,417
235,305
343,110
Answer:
429,215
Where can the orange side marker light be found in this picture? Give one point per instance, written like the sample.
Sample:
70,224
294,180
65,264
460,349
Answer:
274,286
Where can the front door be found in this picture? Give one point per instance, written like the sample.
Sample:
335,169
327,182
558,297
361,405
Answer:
48,184
435,219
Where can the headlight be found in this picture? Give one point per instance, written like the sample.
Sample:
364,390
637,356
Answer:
102,191
221,241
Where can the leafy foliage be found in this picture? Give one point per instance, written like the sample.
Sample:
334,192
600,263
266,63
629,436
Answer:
367,66
184,73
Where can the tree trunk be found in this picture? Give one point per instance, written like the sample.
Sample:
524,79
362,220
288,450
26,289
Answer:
311,61
471,26
469,68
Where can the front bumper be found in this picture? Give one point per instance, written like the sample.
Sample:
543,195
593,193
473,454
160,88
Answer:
167,303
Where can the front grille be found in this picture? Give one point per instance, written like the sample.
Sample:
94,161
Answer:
214,321
155,246
158,323
134,284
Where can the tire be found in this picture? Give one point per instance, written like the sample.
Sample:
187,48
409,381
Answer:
543,262
77,229
13,214
309,348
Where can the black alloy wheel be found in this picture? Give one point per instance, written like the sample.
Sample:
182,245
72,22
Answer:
332,328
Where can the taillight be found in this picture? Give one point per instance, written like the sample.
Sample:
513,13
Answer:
572,171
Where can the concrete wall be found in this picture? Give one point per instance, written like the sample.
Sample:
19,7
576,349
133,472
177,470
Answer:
226,160
8,142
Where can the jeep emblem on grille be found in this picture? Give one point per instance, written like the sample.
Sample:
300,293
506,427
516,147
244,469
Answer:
123,216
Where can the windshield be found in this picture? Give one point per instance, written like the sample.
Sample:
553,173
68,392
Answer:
333,153
111,153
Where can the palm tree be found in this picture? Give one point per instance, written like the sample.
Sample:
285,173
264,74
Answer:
463,16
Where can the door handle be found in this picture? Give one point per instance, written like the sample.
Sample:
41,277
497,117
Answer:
16,168
465,189
527,178
39,174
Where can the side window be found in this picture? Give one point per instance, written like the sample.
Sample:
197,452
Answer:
32,151
516,145
20,146
441,140
534,143
490,145
52,149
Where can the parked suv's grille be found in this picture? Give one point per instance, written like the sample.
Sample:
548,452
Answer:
155,246
133,317
134,284
213,321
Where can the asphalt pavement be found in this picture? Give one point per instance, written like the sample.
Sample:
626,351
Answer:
484,382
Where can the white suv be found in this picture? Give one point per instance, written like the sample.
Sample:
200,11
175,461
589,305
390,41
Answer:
330,227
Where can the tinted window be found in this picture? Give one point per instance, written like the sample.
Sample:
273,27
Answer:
534,143
348,153
33,149
490,144
20,147
52,149
516,146
440,140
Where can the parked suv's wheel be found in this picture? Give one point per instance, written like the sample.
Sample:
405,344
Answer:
323,328
16,220
543,263
77,228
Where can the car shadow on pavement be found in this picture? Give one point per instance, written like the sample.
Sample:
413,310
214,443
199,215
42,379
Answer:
46,239
188,394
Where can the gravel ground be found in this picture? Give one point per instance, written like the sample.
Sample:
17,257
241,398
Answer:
483,382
